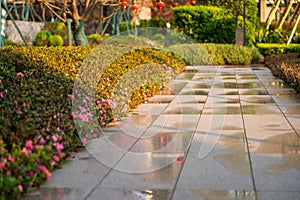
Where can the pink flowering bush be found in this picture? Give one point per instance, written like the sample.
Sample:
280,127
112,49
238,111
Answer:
30,164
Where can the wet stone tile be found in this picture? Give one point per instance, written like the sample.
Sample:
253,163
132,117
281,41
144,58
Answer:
250,85
285,91
219,109
278,195
155,171
276,172
189,99
130,194
253,92
284,100
263,99
194,92
250,109
165,142
290,110
214,195
59,193
188,109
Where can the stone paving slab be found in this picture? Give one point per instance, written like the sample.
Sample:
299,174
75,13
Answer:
215,132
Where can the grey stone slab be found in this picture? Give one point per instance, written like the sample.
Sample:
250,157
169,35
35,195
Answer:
194,92
295,122
214,195
173,123
260,127
291,110
129,194
278,195
283,91
256,91
256,99
224,92
284,100
150,109
164,178
222,109
276,172
222,99
164,142
186,99
217,171
59,193
184,108
83,171
260,109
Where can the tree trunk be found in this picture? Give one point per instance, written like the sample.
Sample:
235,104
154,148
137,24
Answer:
79,34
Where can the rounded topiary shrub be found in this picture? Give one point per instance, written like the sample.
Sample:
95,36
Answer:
55,40
41,38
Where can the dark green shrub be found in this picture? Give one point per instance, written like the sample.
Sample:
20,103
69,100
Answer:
125,26
56,28
269,49
205,24
251,14
159,37
8,42
55,40
41,38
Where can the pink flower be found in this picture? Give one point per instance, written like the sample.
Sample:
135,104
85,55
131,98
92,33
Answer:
1,95
94,135
48,175
31,173
52,163
24,105
20,112
29,145
54,138
2,164
0,81
25,151
59,147
20,187
42,168
42,141
83,140
71,96
10,158
55,158
20,74
58,129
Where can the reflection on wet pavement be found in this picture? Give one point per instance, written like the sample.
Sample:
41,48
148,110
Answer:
215,132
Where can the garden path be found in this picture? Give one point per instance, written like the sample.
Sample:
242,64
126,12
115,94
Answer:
215,132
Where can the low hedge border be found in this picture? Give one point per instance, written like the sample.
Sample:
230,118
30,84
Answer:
268,49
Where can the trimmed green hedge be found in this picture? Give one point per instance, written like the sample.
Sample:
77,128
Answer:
205,23
251,14
219,54
268,49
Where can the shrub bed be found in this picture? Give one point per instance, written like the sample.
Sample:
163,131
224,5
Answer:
219,54
205,23
274,49
36,119
286,66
